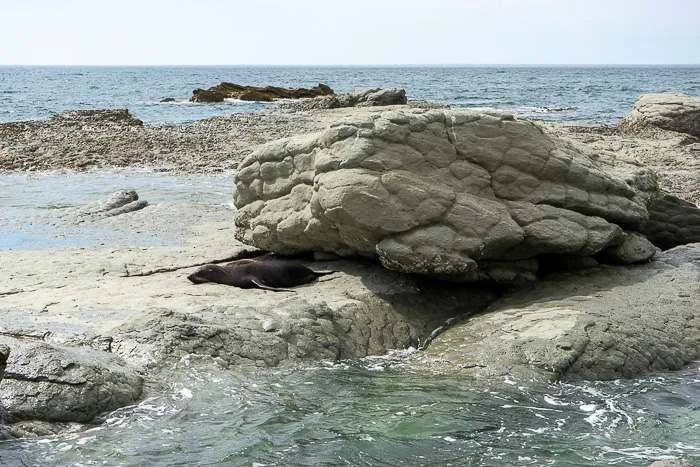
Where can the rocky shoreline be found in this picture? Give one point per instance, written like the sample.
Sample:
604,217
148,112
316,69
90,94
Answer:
91,327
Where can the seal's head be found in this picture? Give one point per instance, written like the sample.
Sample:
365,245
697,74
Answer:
207,273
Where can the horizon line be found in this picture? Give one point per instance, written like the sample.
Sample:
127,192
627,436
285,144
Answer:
338,65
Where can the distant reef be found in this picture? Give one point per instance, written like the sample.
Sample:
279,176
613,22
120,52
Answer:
255,93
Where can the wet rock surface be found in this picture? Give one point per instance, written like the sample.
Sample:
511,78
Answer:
60,384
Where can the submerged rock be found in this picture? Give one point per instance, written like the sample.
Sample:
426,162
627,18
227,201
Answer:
669,110
454,194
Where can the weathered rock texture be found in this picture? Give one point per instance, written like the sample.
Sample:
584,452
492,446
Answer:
670,111
671,222
361,310
454,194
600,323
368,97
52,383
256,93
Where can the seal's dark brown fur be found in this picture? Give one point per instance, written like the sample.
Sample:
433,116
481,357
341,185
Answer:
250,273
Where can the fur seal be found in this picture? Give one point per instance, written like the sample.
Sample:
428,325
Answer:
251,273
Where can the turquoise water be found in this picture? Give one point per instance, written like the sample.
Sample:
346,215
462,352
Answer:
601,94
378,412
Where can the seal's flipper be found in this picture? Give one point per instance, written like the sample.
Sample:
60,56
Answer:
267,287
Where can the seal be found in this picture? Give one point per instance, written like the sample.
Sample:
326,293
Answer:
251,273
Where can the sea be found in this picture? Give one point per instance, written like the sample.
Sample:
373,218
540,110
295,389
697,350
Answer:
374,411
593,94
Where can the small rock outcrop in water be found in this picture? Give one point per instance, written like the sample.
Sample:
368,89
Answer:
52,383
119,202
670,111
453,194
368,97
255,93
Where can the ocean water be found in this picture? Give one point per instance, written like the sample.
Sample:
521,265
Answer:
594,94
377,412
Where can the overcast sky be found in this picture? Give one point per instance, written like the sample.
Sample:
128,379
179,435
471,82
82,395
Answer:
331,32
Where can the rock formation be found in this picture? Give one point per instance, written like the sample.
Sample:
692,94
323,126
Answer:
670,111
113,138
255,93
606,322
453,194
119,202
367,97
52,383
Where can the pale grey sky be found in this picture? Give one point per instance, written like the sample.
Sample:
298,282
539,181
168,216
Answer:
328,32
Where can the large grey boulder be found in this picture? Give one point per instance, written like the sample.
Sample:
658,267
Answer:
454,194
63,384
669,110
600,323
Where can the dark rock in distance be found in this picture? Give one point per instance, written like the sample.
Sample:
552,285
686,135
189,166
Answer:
256,93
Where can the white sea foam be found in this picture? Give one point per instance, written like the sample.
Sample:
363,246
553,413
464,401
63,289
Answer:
551,400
